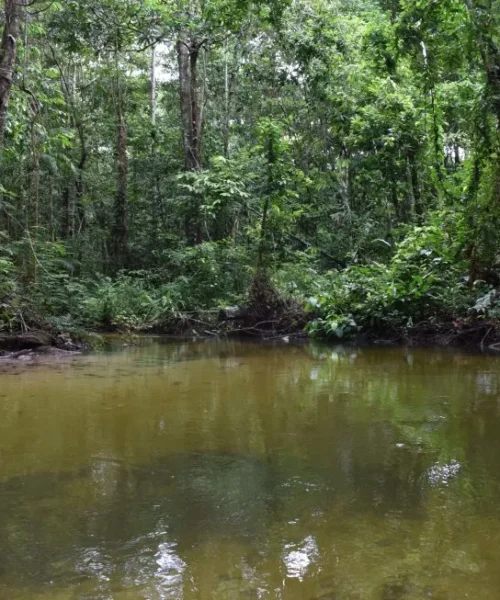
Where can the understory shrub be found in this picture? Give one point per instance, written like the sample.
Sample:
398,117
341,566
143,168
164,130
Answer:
424,279
8,288
196,278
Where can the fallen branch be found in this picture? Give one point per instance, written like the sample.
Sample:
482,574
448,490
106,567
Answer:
485,336
12,355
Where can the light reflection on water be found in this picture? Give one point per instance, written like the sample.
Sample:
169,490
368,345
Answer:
298,559
224,470
170,569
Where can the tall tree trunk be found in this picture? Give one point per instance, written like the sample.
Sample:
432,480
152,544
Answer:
66,214
264,245
80,188
225,134
155,192
8,51
79,193
52,232
78,124
36,173
196,106
153,86
185,88
230,81
75,119
191,116
414,185
478,250
120,225
490,56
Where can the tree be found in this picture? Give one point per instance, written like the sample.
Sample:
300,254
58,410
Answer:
163,138
13,15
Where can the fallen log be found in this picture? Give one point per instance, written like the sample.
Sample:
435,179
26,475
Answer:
26,341
13,355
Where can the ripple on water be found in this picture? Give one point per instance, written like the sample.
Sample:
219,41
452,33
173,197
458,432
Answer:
170,567
299,558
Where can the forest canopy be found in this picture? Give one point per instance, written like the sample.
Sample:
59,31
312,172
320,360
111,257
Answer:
160,157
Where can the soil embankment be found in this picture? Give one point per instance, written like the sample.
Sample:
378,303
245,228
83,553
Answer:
28,343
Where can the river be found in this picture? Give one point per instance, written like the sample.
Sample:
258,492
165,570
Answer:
227,470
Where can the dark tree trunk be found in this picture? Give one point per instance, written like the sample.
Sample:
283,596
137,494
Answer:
79,183
185,97
195,106
230,84
415,184
153,86
490,55
191,116
155,191
66,214
187,53
225,131
8,51
395,198
120,225
36,173
480,257
264,245
76,121
79,207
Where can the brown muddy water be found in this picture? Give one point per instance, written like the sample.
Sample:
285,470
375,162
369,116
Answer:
223,470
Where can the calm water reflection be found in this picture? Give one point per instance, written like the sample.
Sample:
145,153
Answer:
204,470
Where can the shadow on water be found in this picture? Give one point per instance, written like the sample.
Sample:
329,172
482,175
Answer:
63,529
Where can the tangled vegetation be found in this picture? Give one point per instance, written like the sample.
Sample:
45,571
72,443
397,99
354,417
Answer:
319,163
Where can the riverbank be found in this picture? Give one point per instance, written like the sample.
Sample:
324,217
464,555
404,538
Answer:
38,341
473,334
469,334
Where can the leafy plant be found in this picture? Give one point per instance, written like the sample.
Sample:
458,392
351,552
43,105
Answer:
423,279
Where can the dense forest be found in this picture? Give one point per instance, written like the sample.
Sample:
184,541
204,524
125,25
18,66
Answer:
163,159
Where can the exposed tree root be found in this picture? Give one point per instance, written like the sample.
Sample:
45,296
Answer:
464,333
267,313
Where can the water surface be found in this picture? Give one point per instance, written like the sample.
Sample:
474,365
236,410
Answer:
222,470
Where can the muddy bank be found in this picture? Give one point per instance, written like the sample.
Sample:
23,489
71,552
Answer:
470,334
240,322
38,342
266,315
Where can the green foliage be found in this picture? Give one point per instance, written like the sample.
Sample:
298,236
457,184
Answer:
330,135
210,274
301,275
219,193
8,288
194,278
7,277
201,277
423,279
125,303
